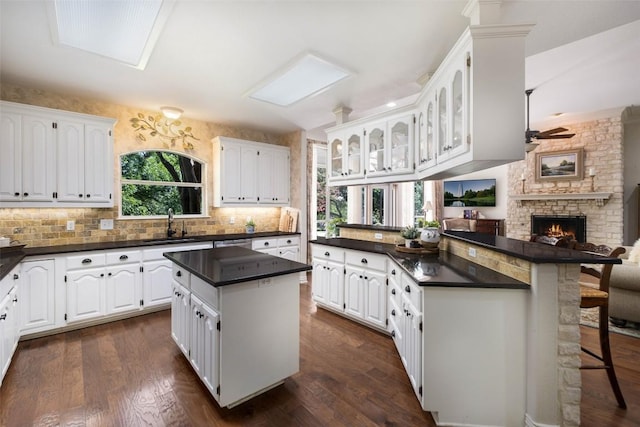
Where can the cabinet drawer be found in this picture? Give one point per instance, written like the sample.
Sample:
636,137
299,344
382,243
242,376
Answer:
327,253
181,275
367,260
121,257
289,241
86,260
206,292
258,244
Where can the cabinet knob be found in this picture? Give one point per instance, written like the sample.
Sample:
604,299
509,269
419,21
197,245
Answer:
101,274
88,195
266,243
393,291
179,273
124,257
26,194
3,316
109,274
86,261
364,261
361,276
407,289
16,194
393,333
80,195
327,254
16,277
393,312
289,241
15,299
393,272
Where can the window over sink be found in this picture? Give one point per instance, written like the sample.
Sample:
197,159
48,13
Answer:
155,180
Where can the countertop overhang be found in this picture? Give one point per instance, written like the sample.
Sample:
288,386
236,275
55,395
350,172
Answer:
443,269
233,264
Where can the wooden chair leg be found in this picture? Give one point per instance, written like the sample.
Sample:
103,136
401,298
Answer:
606,355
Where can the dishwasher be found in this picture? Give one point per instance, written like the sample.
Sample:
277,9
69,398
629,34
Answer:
244,243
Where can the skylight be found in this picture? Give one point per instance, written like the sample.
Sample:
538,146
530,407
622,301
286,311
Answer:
305,77
122,30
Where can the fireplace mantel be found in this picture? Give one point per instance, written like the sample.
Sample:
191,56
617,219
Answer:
600,198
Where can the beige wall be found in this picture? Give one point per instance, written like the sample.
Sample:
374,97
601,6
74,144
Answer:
602,141
47,226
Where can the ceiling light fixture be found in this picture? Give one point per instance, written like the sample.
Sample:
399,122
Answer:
172,113
122,30
304,77
391,104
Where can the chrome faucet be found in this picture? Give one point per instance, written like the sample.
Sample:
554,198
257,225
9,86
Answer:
170,231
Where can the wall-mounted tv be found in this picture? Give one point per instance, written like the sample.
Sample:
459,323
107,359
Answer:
470,193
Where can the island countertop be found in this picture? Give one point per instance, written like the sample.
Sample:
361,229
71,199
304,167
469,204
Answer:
233,264
443,269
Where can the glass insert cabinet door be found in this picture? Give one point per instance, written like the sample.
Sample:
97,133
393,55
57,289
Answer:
443,140
336,157
457,107
376,145
354,155
400,139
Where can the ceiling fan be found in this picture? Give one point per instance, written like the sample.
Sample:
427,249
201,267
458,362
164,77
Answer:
530,135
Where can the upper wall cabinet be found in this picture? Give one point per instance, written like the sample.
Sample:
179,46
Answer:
375,150
53,156
247,173
468,117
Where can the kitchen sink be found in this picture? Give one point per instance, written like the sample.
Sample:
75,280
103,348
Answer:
167,240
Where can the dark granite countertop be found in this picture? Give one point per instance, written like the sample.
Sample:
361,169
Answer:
443,269
233,264
537,253
8,260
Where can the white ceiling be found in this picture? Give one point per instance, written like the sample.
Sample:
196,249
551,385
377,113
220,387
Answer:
210,54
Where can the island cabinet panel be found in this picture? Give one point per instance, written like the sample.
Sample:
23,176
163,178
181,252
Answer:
9,319
180,317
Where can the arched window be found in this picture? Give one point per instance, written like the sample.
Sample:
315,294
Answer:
154,181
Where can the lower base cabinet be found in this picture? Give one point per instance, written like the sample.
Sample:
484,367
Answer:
37,289
9,324
205,342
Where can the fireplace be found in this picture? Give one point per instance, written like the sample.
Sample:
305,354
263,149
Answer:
560,226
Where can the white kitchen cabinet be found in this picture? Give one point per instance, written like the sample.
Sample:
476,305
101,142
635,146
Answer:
425,130
124,288
328,276
346,149
243,177
83,173
181,317
28,157
205,343
283,247
55,158
366,287
9,319
37,288
86,294
273,175
157,274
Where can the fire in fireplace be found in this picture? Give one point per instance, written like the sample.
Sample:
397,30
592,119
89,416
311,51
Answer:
560,226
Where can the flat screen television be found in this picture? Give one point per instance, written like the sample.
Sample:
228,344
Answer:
470,193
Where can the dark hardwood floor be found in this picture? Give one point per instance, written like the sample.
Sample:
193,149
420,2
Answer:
130,373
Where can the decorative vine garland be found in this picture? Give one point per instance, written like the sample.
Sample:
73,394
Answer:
165,129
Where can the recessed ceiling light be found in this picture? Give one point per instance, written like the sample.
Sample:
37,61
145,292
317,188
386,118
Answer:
122,30
302,78
391,104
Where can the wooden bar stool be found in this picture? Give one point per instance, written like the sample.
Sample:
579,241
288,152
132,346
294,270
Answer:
590,297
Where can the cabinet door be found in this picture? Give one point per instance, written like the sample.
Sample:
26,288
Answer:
231,189
375,298
210,348
354,292
123,288
319,282
5,335
335,288
156,281
335,164
396,326
400,146
85,294
37,290
38,159
248,174
289,252
413,347
11,159
98,164
70,161
375,142
196,343
354,165
281,178
181,317
443,123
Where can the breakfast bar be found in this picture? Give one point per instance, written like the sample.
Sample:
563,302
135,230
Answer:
235,315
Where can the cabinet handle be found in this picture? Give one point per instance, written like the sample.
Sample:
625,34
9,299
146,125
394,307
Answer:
16,194
393,291
16,277
407,289
361,276
364,261
124,257
88,195
393,333
26,194
327,254
86,261
393,272
109,274
197,314
201,315
289,241
179,273
80,195
393,312
366,278
3,316
266,243
101,274
15,299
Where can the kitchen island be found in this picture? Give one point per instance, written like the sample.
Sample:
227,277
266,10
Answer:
235,316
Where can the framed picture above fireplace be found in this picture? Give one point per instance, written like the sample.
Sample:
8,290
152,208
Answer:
559,165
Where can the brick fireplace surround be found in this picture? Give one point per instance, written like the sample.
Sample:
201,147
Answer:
602,141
